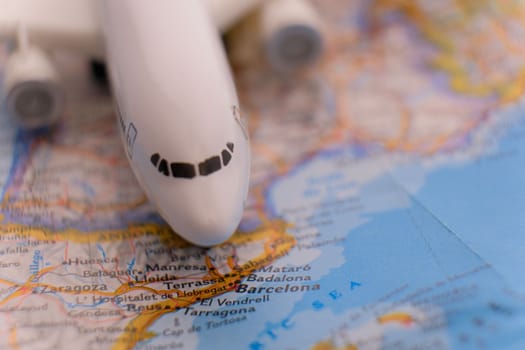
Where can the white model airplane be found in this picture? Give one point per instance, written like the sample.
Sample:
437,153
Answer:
175,99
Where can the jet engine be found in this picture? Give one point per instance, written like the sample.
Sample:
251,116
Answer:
34,97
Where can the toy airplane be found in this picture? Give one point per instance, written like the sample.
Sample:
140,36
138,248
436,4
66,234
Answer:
175,99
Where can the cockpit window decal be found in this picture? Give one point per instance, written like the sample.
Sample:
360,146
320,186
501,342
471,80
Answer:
210,166
226,157
183,170
188,170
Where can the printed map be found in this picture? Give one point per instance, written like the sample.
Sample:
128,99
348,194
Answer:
385,210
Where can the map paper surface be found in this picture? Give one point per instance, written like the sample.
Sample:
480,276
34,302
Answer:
385,209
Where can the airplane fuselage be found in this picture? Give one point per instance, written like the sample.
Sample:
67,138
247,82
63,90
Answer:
179,114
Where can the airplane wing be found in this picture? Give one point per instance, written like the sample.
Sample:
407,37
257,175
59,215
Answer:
226,12
69,24
76,24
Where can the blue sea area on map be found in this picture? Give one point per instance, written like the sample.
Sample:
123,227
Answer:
482,201
408,250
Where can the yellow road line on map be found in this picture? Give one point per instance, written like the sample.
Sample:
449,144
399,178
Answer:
12,339
329,345
396,317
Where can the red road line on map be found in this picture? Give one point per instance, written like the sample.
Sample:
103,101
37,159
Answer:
132,246
66,251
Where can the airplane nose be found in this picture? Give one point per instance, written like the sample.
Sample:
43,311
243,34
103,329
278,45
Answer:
204,221
212,228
